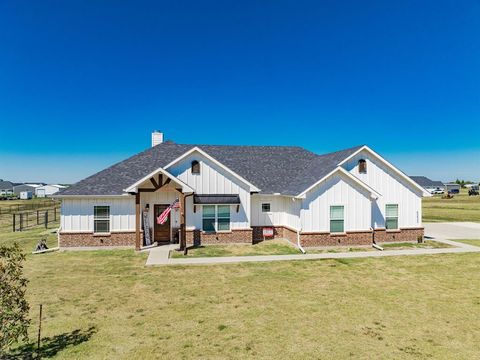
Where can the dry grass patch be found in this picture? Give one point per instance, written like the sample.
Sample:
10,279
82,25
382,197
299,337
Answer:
461,208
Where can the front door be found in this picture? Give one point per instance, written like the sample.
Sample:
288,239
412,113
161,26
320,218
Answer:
161,233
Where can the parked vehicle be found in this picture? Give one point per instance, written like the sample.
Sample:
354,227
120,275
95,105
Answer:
473,192
437,191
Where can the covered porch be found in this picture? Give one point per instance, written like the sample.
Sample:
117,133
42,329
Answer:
156,194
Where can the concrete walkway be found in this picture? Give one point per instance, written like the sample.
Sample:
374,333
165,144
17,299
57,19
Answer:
160,255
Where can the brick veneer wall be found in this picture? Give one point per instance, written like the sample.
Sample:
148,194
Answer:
327,239
89,239
198,237
402,235
347,239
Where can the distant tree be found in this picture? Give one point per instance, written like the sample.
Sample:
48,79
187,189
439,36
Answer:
14,307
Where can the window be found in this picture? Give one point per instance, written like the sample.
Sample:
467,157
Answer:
266,207
195,167
216,218
336,219
101,219
391,216
362,166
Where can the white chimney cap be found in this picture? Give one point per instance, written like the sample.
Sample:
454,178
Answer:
157,138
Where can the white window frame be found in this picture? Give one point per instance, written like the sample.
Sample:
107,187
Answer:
330,219
215,225
392,217
102,218
269,207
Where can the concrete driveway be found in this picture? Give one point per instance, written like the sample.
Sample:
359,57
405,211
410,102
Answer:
453,230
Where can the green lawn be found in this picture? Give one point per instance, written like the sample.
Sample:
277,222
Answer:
107,304
474,242
269,247
428,244
461,208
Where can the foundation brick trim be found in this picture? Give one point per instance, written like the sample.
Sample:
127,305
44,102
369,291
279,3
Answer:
402,235
239,236
126,238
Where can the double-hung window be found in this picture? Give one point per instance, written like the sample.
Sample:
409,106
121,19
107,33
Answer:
337,219
391,216
216,218
101,219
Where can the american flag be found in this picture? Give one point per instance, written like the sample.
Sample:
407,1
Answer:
162,218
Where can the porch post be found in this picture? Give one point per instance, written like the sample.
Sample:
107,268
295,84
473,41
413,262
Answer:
183,235
137,221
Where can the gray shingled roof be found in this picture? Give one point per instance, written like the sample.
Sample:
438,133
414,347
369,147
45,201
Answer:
287,170
423,181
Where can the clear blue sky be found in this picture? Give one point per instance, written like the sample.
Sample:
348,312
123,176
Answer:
83,83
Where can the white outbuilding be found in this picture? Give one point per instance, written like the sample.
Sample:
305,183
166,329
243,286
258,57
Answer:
48,190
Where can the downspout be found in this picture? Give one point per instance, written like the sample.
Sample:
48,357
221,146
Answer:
298,242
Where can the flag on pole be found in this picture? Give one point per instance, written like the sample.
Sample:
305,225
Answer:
162,218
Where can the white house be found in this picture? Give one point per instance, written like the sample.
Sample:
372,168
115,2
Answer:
48,190
230,194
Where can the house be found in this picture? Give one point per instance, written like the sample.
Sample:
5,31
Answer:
231,194
453,188
426,183
6,187
17,189
48,190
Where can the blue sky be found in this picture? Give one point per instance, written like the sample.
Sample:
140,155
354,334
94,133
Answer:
83,83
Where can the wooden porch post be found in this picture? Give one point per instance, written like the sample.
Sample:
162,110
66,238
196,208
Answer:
183,235
137,221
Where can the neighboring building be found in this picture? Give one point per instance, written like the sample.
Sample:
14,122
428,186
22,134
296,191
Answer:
6,187
17,189
452,188
429,185
48,190
26,195
472,186
229,194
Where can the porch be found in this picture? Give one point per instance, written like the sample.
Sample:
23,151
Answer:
156,193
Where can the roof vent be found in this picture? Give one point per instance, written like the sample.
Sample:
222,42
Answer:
157,138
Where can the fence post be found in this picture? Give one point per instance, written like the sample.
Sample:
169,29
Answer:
13,222
26,219
37,219
21,221
46,219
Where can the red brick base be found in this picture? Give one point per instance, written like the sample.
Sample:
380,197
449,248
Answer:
402,235
89,239
347,239
198,237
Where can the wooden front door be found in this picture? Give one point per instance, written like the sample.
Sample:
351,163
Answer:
161,233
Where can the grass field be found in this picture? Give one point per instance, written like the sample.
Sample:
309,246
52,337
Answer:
461,208
474,242
269,247
107,304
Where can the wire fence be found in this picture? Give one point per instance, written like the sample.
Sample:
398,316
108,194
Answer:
29,219
27,205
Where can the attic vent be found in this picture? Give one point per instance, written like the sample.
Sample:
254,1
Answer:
362,166
195,167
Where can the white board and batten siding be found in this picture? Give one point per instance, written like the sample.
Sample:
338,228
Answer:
284,211
393,189
336,190
212,180
77,213
161,197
